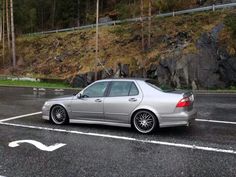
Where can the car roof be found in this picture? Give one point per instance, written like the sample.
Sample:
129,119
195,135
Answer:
125,79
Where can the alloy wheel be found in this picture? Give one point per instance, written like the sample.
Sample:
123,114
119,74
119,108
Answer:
144,121
58,115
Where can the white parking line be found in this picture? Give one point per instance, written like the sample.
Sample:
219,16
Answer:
204,148
22,116
216,121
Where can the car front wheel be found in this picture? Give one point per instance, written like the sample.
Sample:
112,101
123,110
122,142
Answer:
59,115
144,121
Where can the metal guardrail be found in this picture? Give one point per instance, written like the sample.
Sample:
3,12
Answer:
200,9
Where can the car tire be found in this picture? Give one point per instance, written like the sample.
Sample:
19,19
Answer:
59,115
144,121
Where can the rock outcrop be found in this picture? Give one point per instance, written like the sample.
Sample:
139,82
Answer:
209,67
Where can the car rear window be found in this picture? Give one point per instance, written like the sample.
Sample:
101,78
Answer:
156,85
133,90
153,84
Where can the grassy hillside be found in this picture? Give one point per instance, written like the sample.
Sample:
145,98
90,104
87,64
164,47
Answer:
62,55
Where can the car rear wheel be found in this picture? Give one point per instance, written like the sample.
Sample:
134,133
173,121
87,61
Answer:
59,115
144,121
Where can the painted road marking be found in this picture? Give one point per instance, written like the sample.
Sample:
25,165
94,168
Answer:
215,121
203,148
37,144
22,116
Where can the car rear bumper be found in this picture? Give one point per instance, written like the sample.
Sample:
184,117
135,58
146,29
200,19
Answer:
178,119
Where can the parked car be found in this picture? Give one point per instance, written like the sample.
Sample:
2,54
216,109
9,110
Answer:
137,103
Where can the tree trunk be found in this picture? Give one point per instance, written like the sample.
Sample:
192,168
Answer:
8,26
96,60
134,5
149,22
13,36
1,14
53,13
3,32
142,24
78,13
87,11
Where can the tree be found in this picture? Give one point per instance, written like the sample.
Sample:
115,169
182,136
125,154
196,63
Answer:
78,13
53,13
142,24
3,32
8,26
1,23
13,35
149,22
97,36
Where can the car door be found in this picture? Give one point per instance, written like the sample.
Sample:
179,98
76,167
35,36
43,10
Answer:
90,104
123,97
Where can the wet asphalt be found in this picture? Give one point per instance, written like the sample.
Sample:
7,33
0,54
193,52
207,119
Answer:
86,155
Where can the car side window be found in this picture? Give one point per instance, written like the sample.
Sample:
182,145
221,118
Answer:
133,90
120,88
96,90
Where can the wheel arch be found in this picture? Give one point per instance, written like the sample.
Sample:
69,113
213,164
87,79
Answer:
145,109
58,104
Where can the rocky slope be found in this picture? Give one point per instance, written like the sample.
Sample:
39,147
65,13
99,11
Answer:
190,51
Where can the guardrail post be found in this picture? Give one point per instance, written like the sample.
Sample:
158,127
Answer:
213,7
173,13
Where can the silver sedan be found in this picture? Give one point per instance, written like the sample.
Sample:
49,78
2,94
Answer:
137,103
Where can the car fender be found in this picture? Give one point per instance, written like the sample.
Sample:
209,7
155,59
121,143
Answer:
64,105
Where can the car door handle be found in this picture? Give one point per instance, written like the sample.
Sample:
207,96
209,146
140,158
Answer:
132,99
98,100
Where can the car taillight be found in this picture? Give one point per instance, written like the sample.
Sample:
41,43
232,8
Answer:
184,102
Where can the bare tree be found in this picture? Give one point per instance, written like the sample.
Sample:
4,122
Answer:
53,13
142,24
8,26
13,36
96,60
134,5
3,32
78,13
149,22
1,24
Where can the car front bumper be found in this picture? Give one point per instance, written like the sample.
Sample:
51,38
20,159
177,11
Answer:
45,113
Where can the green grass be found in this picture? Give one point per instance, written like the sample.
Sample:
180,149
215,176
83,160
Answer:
33,84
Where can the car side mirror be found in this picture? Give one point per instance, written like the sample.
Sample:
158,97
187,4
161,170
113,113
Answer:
79,96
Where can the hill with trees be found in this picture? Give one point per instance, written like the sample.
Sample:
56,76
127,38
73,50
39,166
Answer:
195,50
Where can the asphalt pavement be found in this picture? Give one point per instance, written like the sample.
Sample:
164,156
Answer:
206,148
